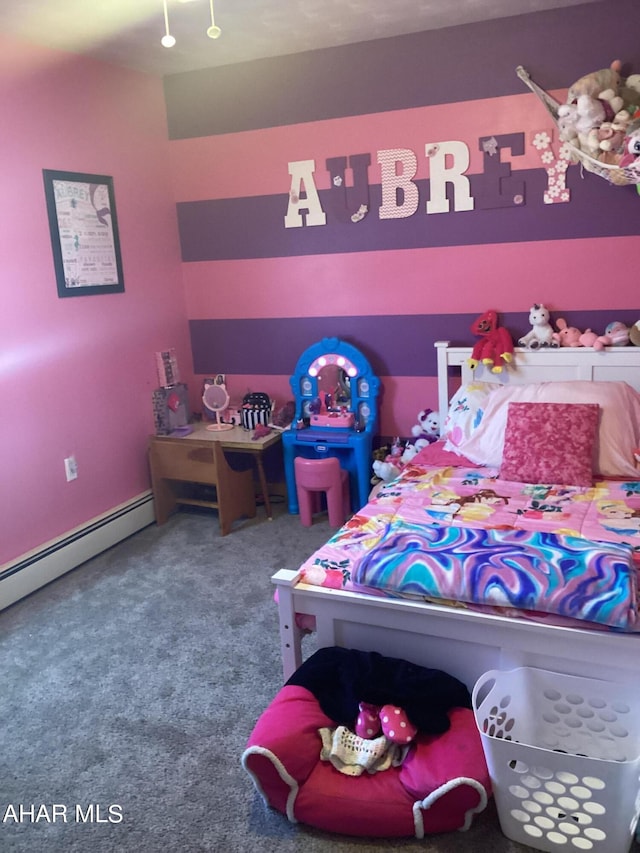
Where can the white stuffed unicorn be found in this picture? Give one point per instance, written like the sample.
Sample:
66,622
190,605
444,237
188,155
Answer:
541,334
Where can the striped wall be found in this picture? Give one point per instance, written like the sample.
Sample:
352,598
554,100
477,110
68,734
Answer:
388,193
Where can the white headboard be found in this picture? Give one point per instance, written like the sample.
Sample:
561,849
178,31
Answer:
548,365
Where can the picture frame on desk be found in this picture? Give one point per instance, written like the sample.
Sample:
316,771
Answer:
84,233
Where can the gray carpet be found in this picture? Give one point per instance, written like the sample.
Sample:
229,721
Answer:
133,683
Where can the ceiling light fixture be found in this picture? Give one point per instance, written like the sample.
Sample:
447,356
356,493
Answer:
213,32
167,39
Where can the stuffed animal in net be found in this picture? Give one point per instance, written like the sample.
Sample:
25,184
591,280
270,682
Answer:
599,117
495,347
541,333
597,82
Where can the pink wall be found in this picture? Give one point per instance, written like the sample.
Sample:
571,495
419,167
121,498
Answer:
77,373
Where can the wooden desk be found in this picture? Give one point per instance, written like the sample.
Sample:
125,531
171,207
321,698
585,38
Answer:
190,459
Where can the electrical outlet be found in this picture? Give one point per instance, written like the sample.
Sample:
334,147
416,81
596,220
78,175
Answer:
71,468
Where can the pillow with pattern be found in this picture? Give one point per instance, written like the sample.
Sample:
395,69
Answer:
466,409
550,443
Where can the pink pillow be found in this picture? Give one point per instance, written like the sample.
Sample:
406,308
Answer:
550,443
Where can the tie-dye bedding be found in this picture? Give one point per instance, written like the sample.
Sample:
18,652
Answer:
461,536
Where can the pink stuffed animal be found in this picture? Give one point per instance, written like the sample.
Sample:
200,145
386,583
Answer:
567,336
591,339
570,336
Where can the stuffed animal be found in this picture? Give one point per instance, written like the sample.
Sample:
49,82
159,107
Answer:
630,92
631,145
619,333
592,339
387,466
569,336
428,426
495,347
566,336
612,101
590,115
598,98
387,462
634,334
385,471
567,120
596,82
610,137
541,334
579,122
391,467
412,449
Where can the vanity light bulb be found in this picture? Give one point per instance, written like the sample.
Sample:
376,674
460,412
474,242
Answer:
167,41
313,371
340,362
322,361
352,372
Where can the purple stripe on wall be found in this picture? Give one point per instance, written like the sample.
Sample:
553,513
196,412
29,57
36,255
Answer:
226,229
399,345
434,67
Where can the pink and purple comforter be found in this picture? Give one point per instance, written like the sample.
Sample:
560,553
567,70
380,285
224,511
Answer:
568,555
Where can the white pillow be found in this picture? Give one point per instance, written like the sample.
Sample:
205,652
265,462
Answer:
618,433
466,410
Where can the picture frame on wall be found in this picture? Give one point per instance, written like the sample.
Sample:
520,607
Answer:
84,233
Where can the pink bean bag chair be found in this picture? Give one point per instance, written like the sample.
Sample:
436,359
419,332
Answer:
440,785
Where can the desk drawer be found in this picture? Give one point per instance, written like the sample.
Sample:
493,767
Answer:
189,462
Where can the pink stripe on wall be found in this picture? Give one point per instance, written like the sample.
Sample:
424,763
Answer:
401,400
254,163
461,279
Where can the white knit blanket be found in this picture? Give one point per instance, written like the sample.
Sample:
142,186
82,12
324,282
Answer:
352,755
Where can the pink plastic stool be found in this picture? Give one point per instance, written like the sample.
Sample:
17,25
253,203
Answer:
314,476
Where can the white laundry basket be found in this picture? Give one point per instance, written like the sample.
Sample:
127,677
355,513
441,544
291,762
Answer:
564,757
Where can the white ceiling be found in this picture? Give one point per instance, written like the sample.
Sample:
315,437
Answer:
128,32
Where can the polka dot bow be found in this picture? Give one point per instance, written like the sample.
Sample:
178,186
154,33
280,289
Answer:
393,722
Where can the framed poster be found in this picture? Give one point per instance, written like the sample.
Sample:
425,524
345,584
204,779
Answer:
84,233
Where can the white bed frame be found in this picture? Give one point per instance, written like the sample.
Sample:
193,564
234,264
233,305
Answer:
467,644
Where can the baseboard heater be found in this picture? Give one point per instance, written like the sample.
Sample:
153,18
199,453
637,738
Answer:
46,563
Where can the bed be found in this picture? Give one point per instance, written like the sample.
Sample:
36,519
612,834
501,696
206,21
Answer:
493,525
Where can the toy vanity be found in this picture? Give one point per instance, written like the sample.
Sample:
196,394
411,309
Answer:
336,396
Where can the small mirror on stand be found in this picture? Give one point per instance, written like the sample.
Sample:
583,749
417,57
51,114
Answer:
216,400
